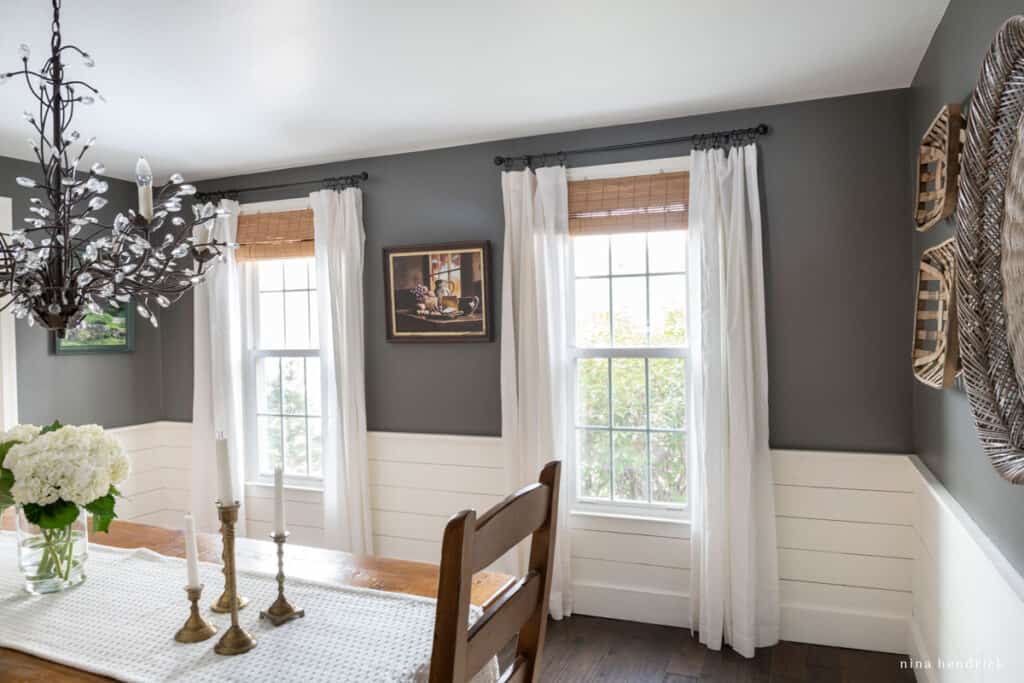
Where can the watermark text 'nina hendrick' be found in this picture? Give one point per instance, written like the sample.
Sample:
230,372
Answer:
955,664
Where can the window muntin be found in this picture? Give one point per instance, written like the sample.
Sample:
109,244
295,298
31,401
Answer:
630,373
285,416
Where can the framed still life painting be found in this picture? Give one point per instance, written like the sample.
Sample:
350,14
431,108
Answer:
111,331
438,292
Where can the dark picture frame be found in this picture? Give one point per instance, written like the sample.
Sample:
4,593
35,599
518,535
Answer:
438,292
107,332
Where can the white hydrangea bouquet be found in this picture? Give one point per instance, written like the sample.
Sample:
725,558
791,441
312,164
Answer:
53,473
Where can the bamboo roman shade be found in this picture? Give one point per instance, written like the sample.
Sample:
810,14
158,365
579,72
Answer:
643,203
280,235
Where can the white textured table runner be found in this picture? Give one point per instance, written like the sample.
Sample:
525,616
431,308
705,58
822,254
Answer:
121,623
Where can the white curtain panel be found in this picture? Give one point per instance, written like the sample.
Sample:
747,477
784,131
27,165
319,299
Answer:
339,253
535,363
734,566
217,380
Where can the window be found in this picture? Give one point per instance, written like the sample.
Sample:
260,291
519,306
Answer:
284,416
630,367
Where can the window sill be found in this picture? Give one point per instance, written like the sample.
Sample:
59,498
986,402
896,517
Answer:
629,524
288,487
625,516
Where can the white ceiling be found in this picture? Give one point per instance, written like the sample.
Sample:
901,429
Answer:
230,86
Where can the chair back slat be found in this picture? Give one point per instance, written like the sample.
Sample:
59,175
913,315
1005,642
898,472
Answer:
470,545
509,522
503,621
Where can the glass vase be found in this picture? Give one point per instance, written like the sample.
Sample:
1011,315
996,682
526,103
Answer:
52,560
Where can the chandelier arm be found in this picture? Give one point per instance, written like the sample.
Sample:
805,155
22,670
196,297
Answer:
92,89
28,80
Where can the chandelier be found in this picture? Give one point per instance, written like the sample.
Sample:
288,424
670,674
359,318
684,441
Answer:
66,262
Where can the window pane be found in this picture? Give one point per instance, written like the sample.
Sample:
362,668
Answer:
271,321
668,393
592,391
293,386
591,255
629,253
295,445
311,273
593,462
592,313
666,251
313,394
296,315
316,468
629,392
270,275
295,273
668,467
668,310
269,442
268,385
629,301
630,457
314,321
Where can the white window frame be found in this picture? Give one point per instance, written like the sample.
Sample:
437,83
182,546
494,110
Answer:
578,504
250,297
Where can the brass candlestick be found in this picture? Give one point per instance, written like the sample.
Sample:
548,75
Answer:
228,515
236,639
196,629
281,612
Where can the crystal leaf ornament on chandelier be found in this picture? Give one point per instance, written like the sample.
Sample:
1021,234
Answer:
66,262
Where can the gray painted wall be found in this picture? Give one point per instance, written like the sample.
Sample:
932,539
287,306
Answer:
944,434
837,247
835,197
111,389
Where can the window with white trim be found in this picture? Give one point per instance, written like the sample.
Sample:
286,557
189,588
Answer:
283,391
284,362
630,357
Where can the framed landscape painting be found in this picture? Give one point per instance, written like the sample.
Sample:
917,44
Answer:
107,332
437,293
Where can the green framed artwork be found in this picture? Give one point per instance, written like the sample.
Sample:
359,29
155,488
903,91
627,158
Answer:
108,332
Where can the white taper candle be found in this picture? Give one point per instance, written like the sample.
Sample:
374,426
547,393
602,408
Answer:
224,478
144,181
191,551
279,501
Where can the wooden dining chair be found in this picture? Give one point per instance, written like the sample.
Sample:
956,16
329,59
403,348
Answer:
470,545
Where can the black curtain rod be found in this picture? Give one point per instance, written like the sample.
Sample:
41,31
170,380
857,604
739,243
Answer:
338,182
714,138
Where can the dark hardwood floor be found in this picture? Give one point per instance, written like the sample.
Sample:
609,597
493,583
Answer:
590,649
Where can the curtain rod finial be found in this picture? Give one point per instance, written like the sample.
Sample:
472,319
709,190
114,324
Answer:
762,129
499,160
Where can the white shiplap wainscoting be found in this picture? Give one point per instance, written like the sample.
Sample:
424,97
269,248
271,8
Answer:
636,569
873,552
968,622
158,490
846,548
418,481
845,554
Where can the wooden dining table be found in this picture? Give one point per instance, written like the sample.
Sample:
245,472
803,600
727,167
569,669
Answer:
317,564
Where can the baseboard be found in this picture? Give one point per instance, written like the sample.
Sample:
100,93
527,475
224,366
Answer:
843,628
631,604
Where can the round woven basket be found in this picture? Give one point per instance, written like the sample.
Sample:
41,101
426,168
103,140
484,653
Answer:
985,239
